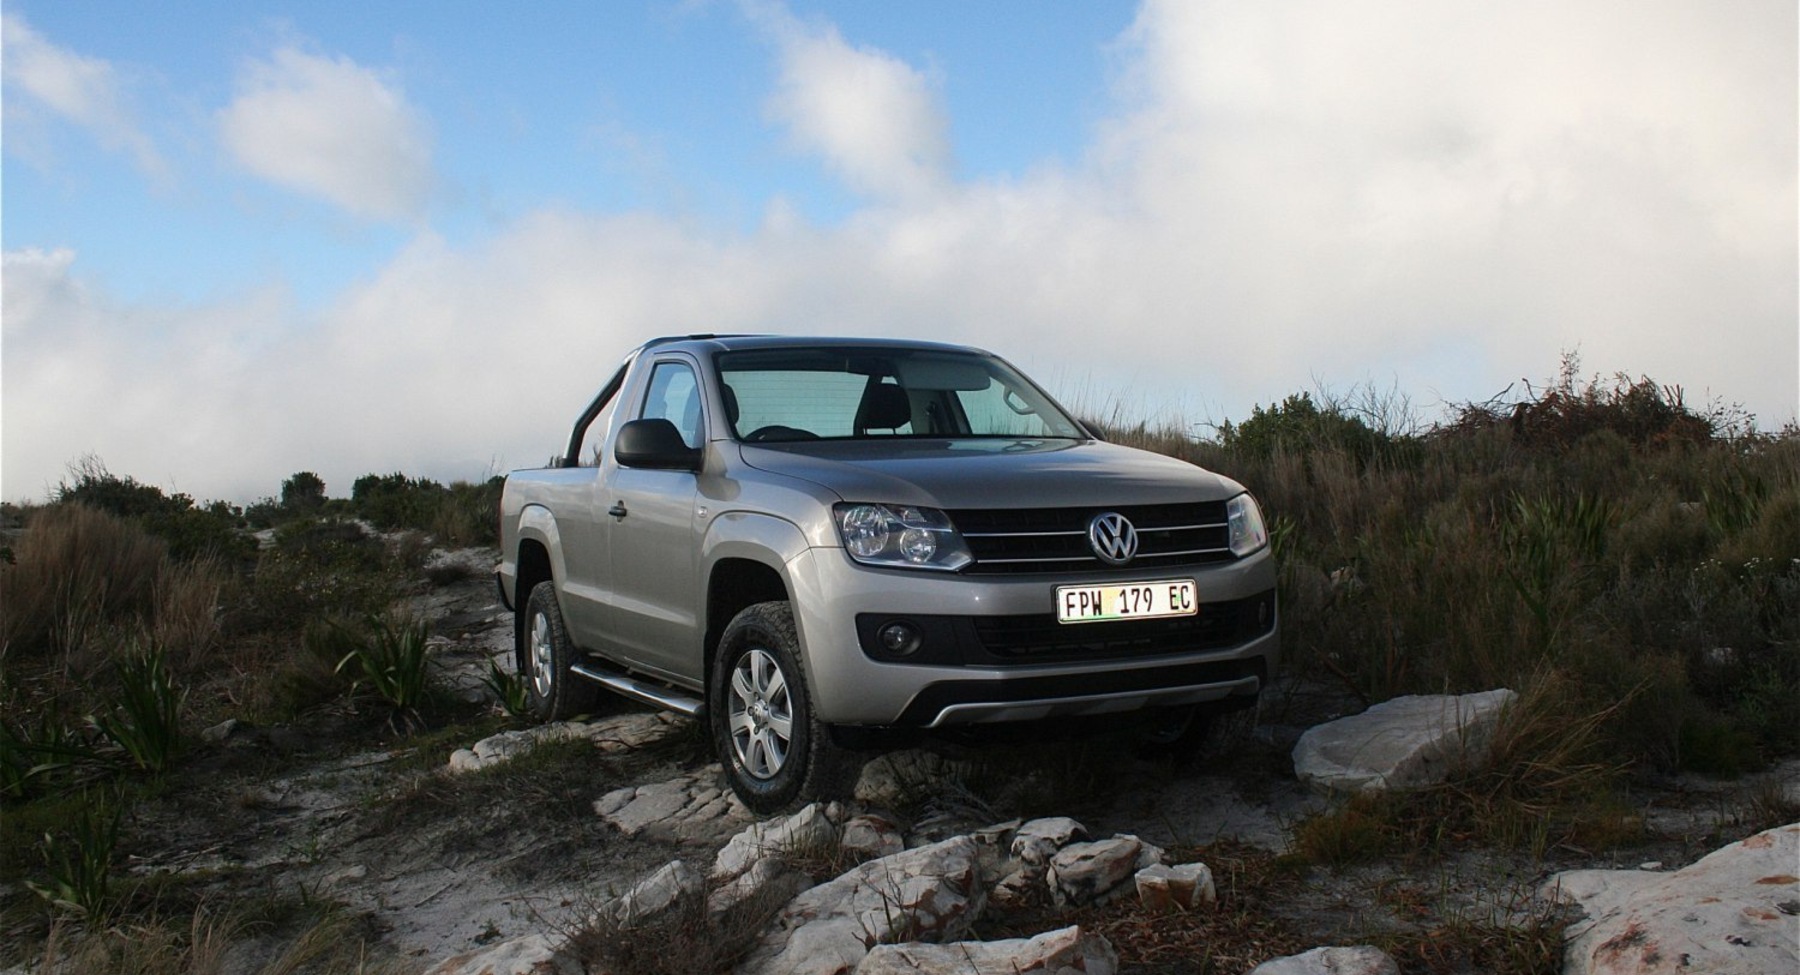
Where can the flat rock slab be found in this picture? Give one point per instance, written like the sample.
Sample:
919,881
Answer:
1735,911
1404,743
615,734
690,808
1062,952
1358,960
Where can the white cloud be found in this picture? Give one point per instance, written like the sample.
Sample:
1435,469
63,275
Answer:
83,90
331,129
874,119
1285,192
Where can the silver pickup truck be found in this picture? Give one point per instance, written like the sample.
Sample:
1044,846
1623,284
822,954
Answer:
804,542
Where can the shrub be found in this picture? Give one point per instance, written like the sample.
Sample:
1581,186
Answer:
191,531
77,571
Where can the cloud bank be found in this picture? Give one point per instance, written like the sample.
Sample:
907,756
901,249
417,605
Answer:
1433,196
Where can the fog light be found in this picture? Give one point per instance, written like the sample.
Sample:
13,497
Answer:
900,639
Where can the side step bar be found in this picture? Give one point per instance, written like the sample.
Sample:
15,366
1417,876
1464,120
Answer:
657,695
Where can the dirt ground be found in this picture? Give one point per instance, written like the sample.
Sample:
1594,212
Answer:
343,808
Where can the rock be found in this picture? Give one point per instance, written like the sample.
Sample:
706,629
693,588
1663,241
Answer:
894,777
655,894
1360,960
533,954
767,878
1179,888
1403,743
1064,952
690,808
1730,913
614,734
869,837
1038,840
809,828
1090,873
928,894
219,732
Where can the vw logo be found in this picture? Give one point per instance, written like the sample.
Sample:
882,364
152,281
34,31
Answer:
1112,538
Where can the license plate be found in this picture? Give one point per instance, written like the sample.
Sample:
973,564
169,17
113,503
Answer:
1126,601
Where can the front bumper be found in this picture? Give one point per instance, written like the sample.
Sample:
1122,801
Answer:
850,686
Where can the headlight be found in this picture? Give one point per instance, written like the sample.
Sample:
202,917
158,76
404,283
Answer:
901,536
1245,521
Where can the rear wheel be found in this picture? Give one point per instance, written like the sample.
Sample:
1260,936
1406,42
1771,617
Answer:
555,693
772,746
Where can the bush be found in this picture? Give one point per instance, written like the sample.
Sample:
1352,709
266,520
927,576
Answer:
77,571
461,514
191,532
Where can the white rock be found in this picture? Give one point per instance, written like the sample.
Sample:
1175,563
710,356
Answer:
868,837
533,954
1403,743
931,893
656,893
1063,952
1733,912
1360,960
1038,840
1182,887
807,829
1090,873
220,731
768,877
687,808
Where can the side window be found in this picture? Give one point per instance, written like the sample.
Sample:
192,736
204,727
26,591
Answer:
674,395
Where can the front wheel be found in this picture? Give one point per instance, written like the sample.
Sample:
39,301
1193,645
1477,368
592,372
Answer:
555,694
761,718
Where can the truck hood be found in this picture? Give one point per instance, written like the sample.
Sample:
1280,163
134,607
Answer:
987,473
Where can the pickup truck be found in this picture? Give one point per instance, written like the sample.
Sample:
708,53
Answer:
808,542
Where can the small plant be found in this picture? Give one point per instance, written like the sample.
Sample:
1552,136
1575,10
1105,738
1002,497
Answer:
394,661
146,721
31,754
78,862
509,691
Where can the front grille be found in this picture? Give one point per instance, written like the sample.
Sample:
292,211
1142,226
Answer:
1044,540
1041,637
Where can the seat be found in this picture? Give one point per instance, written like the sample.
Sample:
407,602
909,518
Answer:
884,406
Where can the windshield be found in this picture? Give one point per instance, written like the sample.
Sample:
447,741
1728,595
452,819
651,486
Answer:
787,395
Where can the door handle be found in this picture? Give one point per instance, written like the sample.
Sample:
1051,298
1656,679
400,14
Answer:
617,510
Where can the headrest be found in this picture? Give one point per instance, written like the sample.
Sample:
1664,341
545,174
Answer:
884,407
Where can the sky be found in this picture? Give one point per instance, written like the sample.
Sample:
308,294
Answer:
245,239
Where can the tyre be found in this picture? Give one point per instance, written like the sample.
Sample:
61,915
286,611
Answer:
760,713
1174,733
555,693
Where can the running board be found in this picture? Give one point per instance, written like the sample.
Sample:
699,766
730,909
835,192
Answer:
653,694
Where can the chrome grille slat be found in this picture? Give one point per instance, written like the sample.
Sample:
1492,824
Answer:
1042,540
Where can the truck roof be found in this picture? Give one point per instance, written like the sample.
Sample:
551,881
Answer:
706,343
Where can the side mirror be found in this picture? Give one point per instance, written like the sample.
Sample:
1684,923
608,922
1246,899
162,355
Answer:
655,444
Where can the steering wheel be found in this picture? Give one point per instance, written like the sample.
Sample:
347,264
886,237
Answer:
777,432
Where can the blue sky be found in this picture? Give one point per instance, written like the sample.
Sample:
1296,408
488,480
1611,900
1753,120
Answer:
245,239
